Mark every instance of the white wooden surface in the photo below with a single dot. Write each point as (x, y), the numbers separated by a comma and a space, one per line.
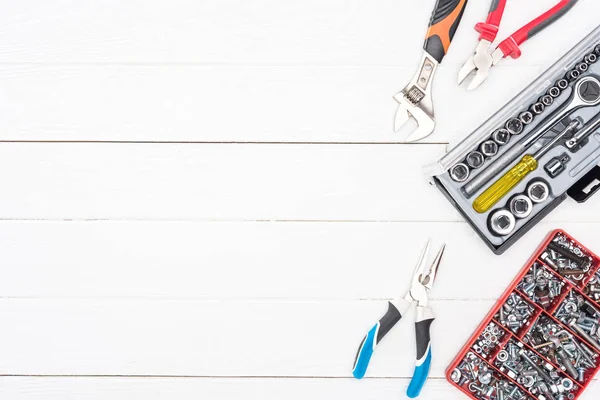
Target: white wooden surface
(206, 200)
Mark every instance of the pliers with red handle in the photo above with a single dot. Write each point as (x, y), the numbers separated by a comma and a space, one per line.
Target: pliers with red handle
(483, 59)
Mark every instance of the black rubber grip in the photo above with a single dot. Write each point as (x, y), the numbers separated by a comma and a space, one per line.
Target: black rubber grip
(423, 334)
(387, 322)
(444, 21)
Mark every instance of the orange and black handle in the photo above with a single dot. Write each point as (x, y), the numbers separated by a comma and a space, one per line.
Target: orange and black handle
(443, 24)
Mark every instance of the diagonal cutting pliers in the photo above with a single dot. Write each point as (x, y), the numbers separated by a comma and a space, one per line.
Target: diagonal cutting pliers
(485, 58)
(422, 282)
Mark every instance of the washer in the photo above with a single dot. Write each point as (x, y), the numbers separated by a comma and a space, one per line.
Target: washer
(538, 191)
(502, 222)
(521, 206)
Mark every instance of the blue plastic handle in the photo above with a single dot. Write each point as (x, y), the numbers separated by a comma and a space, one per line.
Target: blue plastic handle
(365, 351)
(420, 376)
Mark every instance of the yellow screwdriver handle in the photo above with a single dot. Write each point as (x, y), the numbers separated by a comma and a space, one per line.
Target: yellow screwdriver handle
(502, 186)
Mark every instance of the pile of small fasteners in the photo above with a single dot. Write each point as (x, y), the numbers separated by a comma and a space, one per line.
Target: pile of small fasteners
(483, 382)
(541, 286)
(567, 258)
(593, 287)
(515, 313)
(581, 317)
(534, 374)
(488, 340)
(562, 349)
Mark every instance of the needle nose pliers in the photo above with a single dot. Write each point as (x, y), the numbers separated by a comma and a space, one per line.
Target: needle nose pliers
(485, 58)
(422, 282)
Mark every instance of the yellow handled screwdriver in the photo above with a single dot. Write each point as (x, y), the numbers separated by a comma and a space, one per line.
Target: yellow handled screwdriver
(516, 174)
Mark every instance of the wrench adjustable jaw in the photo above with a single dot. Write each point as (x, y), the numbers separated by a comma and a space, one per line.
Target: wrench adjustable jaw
(415, 101)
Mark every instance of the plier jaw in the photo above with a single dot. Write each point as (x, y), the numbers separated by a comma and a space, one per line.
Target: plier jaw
(424, 276)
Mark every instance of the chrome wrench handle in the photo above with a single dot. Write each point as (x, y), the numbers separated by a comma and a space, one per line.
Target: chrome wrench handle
(585, 94)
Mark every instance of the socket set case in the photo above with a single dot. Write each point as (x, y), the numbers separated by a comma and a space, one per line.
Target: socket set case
(527, 158)
(542, 338)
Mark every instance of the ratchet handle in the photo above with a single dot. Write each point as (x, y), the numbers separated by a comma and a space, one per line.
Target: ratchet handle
(375, 335)
(489, 29)
(510, 46)
(502, 186)
(425, 318)
(444, 21)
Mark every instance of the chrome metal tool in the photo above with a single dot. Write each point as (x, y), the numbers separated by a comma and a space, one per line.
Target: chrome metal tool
(416, 99)
(586, 93)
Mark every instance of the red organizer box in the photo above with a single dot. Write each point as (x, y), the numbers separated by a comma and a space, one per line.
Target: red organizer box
(553, 302)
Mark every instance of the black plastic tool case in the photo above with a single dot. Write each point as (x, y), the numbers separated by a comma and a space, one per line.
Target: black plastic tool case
(580, 171)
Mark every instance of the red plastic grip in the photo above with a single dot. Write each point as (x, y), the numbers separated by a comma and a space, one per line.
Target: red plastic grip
(542, 21)
(489, 29)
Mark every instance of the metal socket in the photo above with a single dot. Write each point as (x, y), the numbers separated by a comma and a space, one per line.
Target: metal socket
(475, 159)
(460, 172)
(514, 126)
(554, 91)
(537, 108)
(501, 136)
(489, 148)
(526, 117)
(597, 50)
(538, 191)
(582, 67)
(573, 75)
(502, 222)
(521, 206)
(562, 84)
(590, 58)
(547, 100)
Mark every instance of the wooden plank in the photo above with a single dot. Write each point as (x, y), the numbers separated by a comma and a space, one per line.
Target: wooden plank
(59, 388)
(233, 104)
(252, 260)
(217, 338)
(332, 32)
(262, 182)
